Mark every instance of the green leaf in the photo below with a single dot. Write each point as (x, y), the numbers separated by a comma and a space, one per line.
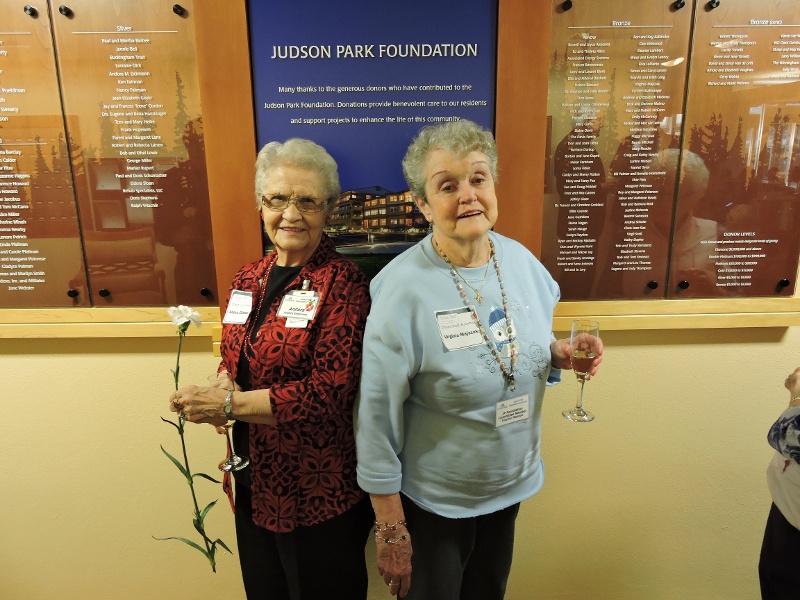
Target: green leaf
(177, 463)
(185, 541)
(221, 543)
(206, 509)
(204, 476)
(198, 525)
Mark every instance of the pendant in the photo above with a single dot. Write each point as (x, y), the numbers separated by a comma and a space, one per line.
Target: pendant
(478, 298)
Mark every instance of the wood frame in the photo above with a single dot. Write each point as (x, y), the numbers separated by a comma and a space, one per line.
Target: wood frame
(520, 126)
(229, 128)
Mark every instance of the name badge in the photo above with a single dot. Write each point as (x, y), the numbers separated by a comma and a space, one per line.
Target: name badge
(458, 329)
(299, 305)
(239, 307)
(512, 410)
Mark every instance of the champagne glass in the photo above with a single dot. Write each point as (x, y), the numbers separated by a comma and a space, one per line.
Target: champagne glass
(583, 351)
(233, 462)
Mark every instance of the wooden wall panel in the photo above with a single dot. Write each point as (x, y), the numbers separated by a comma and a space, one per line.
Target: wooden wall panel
(523, 46)
(223, 58)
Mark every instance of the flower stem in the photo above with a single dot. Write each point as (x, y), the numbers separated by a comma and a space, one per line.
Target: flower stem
(190, 479)
(176, 373)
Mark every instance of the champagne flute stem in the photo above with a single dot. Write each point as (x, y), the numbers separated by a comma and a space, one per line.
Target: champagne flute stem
(228, 439)
(579, 405)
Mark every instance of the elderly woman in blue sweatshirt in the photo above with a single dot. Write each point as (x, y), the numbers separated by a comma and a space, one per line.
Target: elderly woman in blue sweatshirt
(458, 350)
(780, 550)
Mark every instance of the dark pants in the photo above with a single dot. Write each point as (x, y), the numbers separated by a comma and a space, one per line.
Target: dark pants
(459, 559)
(779, 565)
(319, 562)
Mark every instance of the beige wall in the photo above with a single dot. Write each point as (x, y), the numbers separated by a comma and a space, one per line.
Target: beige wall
(662, 497)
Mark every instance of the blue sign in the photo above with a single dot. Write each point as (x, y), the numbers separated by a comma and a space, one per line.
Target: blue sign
(361, 78)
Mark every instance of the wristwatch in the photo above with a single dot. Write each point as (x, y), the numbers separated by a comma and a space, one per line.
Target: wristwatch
(226, 406)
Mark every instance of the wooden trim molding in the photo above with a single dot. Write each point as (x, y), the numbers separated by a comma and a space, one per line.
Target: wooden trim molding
(682, 314)
(98, 322)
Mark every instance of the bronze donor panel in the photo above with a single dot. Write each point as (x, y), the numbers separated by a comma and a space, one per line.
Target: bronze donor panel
(40, 248)
(670, 167)
(130, 84)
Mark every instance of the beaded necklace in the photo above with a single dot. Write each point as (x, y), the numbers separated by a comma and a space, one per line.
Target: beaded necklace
(262, 293)
(507, 372)
(478, 297)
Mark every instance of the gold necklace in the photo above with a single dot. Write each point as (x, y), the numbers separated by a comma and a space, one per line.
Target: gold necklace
(507, 372)
(478, 297)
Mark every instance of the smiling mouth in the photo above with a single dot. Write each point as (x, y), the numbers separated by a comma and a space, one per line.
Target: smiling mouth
(470, 214)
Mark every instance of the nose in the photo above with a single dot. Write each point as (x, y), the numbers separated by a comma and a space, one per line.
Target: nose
(468, 193)
(290, 213)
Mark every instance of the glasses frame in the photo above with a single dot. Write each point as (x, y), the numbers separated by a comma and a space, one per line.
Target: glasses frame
(320, 206)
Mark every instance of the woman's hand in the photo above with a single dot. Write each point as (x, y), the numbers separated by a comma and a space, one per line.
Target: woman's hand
(393, 550)
(200, 404)
(392, 542)
(792, 383)
(560, 351)
(559, 354)
(223, 380)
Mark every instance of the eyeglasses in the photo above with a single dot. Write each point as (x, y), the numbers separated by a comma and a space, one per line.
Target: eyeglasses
(304, 205)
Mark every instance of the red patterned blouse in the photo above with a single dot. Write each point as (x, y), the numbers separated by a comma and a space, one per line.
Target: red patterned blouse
(303, 468)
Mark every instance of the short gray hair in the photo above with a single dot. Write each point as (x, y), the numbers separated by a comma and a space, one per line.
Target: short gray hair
(456, 137)
(305, 154)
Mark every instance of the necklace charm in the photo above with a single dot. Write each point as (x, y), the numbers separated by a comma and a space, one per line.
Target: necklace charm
(454, 272)
(507, 372)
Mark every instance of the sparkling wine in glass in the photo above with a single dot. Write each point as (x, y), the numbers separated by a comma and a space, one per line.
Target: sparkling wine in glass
(233, 462)
(583, 343)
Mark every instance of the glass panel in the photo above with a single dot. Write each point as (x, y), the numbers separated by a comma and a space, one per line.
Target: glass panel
(742, 119)
(621, 159)
(130, 93)
(40, 250)
(616, 90)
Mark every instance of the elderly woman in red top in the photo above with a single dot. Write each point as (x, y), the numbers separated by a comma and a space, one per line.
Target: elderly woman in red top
(291, 356)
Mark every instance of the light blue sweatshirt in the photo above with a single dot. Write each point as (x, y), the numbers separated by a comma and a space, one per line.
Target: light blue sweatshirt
(427, 416)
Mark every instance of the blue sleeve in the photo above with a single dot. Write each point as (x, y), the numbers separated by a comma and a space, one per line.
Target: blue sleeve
(554, 377)
(784, 435)
(388, 365)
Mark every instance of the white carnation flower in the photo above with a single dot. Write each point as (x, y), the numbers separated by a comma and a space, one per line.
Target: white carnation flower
(183, 315)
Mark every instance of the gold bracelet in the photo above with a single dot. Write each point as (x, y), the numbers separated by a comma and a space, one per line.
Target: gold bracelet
(396, 540)
(381, 527)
